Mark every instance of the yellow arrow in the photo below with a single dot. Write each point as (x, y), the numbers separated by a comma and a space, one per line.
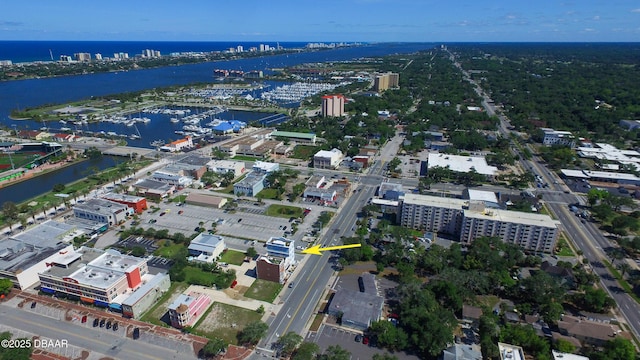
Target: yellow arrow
(315, 250)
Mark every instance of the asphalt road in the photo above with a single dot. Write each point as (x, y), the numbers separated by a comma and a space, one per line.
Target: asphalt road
(97, 340)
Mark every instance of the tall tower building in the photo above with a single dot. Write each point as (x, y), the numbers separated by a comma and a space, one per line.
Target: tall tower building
(333, 105)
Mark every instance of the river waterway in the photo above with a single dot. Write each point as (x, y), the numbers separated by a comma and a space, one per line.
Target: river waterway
(42, 184)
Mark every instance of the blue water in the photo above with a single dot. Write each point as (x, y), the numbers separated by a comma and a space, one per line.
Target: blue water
(26, 51)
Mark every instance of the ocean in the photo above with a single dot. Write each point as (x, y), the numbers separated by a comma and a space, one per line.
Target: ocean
(27, 51)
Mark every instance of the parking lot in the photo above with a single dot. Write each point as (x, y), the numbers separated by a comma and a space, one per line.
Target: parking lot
(346, 338)
(149, 245)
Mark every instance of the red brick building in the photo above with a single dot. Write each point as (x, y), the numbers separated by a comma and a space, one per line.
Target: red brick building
(137, 203)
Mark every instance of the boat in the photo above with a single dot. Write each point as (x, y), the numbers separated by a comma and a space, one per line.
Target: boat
(65, 129)
(62, 122)
(157, 143)
(134, 137)
(175, 120)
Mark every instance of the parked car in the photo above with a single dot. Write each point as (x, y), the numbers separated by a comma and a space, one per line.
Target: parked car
(115, 327)
(33, 305)
(84, 319)
(358, 338)
(102, 322)
(291, 285)
(96, 322)
(108, 324)
(136, 333)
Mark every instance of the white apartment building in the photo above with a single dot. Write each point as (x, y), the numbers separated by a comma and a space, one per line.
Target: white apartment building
(532, 232)
(554, 137)
(432, 213)
(224, 166)
(470, 220)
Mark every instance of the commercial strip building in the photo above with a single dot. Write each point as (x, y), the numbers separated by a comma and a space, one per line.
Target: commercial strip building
(324, 159)
(172, 177)
(610, 154)
(459, 163)
(216, 202)
(188, 308)
(206, 248)
(470, 220)
(554, 137)
(153, 189)
(101, 210)
(333, 105)
(602, 176)
(24, 255)
(297, 137)
(101, 277)
(251, 185)
(137, 203)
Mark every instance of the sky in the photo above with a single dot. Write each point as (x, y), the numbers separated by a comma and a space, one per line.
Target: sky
(326, 20)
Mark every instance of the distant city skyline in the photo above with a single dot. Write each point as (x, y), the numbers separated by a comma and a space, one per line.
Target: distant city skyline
(329, 20)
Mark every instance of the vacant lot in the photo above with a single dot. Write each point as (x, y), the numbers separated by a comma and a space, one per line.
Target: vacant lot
(158, 312)
(284, 211)
(226, 321)
(263, 290)
(168, 249)
(232, 257)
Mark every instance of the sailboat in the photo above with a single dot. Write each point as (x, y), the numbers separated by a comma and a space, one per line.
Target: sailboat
(135, 136)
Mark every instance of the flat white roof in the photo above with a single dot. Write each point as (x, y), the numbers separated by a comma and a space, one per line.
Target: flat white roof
(328, 153)
(385, 202)
(510, 352)
(459, 163)
(515, 217)
(481, 195)
(435, 201)
(587, 174)
(566, 356)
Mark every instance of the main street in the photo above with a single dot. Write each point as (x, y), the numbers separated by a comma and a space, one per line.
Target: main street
(312, 278)
(586, 236)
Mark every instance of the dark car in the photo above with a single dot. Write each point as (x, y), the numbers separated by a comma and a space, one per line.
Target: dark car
(162, 213)
(33, 304)
(239, 220)
(291, 285)
(136, 333)
(358, 338)
(108, 324)
(96, 322)
(115, 326)
(102, 322)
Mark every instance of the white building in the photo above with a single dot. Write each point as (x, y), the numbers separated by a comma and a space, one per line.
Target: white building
(459, 163)
(224, 166)
(178, 145)
(263, 167)
(554, 137)
(324, 159)
(172, 178)
(510, 352)
(101, 210)
(281, 247)
(206, 247)
(566, 356)
(470, 220)
(532, 232)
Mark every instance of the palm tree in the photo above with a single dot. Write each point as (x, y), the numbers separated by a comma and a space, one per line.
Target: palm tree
(624, 268)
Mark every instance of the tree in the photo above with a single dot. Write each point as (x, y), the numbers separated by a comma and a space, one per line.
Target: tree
(5, 286)
(253, 332)
(335, 352)
(214, 347)
(594, 300)
(389, 335)
(289, 342)
(616, 349)
(385, 356)
(564, 346)
(138, 251)
(306, 351)
(251, 252)
(57, 188)
(10, 212)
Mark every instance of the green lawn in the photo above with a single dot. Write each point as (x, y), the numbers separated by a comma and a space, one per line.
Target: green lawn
(304, 152)
(168, 251)
(264, 290)
(284, 211)
(244, 158)
(232, 257)
(229, 321)
(563, 247)
(269, 194)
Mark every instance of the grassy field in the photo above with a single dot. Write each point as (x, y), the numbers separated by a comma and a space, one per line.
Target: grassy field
(232, 257)
(168, 251)
(225, 322)
(194, 275)
(19, 159)
(284, 211)
(304, 152)
(244, 158)
(563, 247)
(269, 194)
(264, 290)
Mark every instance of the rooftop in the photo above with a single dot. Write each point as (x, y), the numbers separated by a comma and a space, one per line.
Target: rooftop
(308, 136)
(486, 196)
(47, 234)
(328, 153)
(184, 299)
(358, 308)
(566, 356)
(100, 206)
(152, 184)
(435, 201)
(459, 163)
(281, 241)
(144, 289)
(123, 197)
(510, 352)
(206, 240)
(516, 217)
(194, 160)
(251, 179)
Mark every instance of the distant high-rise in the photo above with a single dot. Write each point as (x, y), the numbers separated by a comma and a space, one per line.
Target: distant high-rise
(82, 56)
(386, 81)
(333, 105)
(66, 58)
(239, 48)
(98, 56)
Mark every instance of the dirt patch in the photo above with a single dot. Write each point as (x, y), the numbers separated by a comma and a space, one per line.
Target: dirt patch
(213, 320)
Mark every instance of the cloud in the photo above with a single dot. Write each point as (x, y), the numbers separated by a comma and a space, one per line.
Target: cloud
(597, 17)
(636, 10)
(11, 23)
